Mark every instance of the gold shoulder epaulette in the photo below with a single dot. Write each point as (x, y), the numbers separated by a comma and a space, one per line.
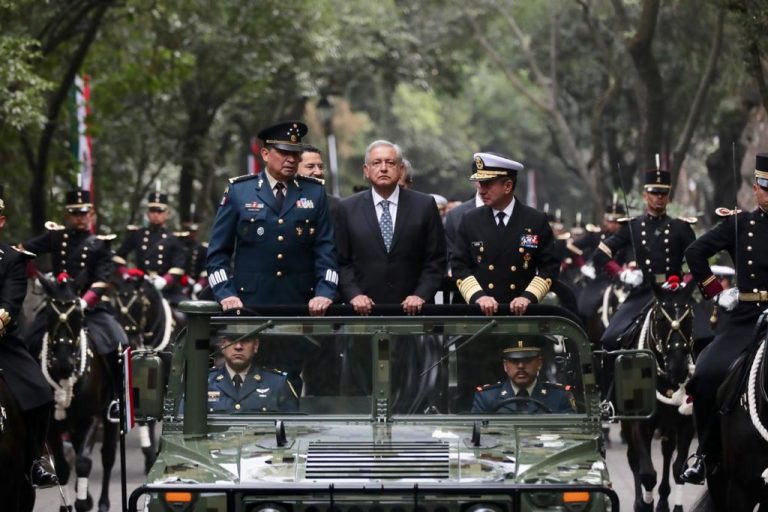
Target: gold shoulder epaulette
(244, 177)
(205, 244)
(52, 226)
(564, 236)
(689, 220)
(725, 212)
(591, 228)
(106, 238)
(624, 220)
(488, 386)
(181, 234)
(132, 227)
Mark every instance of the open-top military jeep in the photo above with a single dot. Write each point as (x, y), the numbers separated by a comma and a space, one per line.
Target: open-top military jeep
(385, 417)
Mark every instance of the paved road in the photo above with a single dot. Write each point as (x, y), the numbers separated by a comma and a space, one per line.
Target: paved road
(49, 499)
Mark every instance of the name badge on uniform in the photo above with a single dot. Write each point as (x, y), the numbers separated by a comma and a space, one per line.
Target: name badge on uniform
(305, 203)
(479, 247)
(254, 206)
(529, 241)
(213, 396)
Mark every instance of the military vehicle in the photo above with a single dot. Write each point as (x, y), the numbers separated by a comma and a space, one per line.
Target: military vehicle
(384, 418)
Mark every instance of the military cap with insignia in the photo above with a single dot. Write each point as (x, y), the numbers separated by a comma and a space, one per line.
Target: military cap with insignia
(657, 180)
(614, 211)
(78, 201)
(157, 201)
(761, 170)
(489, 166)
(522, 349)
(286, 136)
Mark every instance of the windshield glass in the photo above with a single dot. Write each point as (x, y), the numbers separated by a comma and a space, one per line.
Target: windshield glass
(395, 366)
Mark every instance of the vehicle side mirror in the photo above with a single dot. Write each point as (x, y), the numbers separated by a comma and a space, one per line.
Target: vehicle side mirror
(634, 384)
(148, 376)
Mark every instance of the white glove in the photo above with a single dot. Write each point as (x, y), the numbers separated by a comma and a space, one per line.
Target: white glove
(632, 278)
(83, 304)
(197, 288)
(588, 270)
(159, 282)
(728, 299)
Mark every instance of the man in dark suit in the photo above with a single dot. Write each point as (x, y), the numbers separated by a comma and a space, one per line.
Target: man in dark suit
(504, 251)
(390, 240)
(522, 364)
(272, 239)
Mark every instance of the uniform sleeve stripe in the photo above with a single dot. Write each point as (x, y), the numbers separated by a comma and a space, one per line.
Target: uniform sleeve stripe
(604, 248)
(218, 277)
(468, 287)
(539, 287)
(331, 276)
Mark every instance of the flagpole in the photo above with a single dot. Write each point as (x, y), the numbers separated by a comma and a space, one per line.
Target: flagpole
(123, 423)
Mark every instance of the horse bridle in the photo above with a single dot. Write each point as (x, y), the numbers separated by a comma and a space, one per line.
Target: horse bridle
(125, 310)
(63, 318)
(662, 347)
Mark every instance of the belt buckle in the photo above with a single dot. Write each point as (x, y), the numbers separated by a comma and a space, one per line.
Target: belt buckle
(762, 295)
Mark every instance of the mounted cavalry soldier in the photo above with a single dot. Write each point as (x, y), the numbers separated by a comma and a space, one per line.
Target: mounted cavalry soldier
(658, 242)
(87, 259)
(157, 252)
(504, 250)
(744, 235)
(19, 369)
(272, 240)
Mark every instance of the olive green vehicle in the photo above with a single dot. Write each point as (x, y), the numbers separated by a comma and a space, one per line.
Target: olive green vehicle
(385, 417)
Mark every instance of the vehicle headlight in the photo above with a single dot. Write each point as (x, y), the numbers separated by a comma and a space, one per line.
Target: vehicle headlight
(483, 507)
(179, 501)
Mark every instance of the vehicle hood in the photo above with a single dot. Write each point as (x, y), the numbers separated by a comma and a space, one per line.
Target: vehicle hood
(368, 452)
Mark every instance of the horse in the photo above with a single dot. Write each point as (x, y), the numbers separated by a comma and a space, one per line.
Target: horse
(82, 391)
(742, 481)
(16, 491)
(667, 330)
(148, 321)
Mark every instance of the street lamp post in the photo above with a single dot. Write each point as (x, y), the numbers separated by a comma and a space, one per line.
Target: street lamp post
(325, 113)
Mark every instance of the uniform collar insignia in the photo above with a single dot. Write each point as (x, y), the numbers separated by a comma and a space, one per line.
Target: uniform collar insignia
(262, 390)
(503, 392)
(257, 377)
(220, 377)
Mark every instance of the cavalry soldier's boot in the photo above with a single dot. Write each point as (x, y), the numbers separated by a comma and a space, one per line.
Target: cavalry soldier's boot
(40, 476)
(696, 472)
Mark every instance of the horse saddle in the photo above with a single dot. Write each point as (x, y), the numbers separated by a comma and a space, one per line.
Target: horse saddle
(734, 384)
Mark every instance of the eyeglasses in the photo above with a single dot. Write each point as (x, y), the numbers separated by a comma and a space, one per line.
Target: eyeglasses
(390, 164)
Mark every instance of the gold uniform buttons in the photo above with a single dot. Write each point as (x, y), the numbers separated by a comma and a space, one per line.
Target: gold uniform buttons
(512, 286)
(237, 406)
(521, 250)
(279, 274)
(749, 247)
(491, 267)
(750, 234)
(280, 238)
(647, 262)
(749, 262)
(513, 268)
(490, 286)
(279, 256)
(279, 221)
(143, 247)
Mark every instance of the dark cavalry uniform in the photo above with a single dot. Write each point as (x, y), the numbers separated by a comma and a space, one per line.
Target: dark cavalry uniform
(197, 253)
(554, 396)
(660, 243)
(87, 258)
(268, 256)
(504, 263)
(19, 368)
(734, 330)
(262, 390)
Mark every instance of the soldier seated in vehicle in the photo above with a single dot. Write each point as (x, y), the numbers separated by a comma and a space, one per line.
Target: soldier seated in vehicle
(240, 386)
(523, 392)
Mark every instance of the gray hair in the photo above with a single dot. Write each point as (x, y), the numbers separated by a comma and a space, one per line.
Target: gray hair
(384, 143)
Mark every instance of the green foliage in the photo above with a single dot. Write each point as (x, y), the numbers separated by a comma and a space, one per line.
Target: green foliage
(21, 101)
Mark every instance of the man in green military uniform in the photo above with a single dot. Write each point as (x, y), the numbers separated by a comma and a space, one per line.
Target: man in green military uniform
(522, 391)
(240, 386)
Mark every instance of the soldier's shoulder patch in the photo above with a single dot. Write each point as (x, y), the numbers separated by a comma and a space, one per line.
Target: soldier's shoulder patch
(486, 387)
(52, 226)
(24, 252)
(624, 220)
(132, 227)
(244, 177)
(275, 371)
(726, 212)
(310, 179)
(106, 238)
(591, 228)
(204, 244)
(689, 220)
(181, 234)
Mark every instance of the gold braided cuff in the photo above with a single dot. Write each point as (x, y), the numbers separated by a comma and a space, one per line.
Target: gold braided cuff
(539, 287)
(604, 248)
(468, 287)
(100, 284)
(119, 260)
(176, 271)
(708, 280)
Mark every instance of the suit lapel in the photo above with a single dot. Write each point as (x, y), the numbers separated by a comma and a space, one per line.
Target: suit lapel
(293, 190)
(264, 192)
(226, 386)
(369, 212)
(403, 212)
